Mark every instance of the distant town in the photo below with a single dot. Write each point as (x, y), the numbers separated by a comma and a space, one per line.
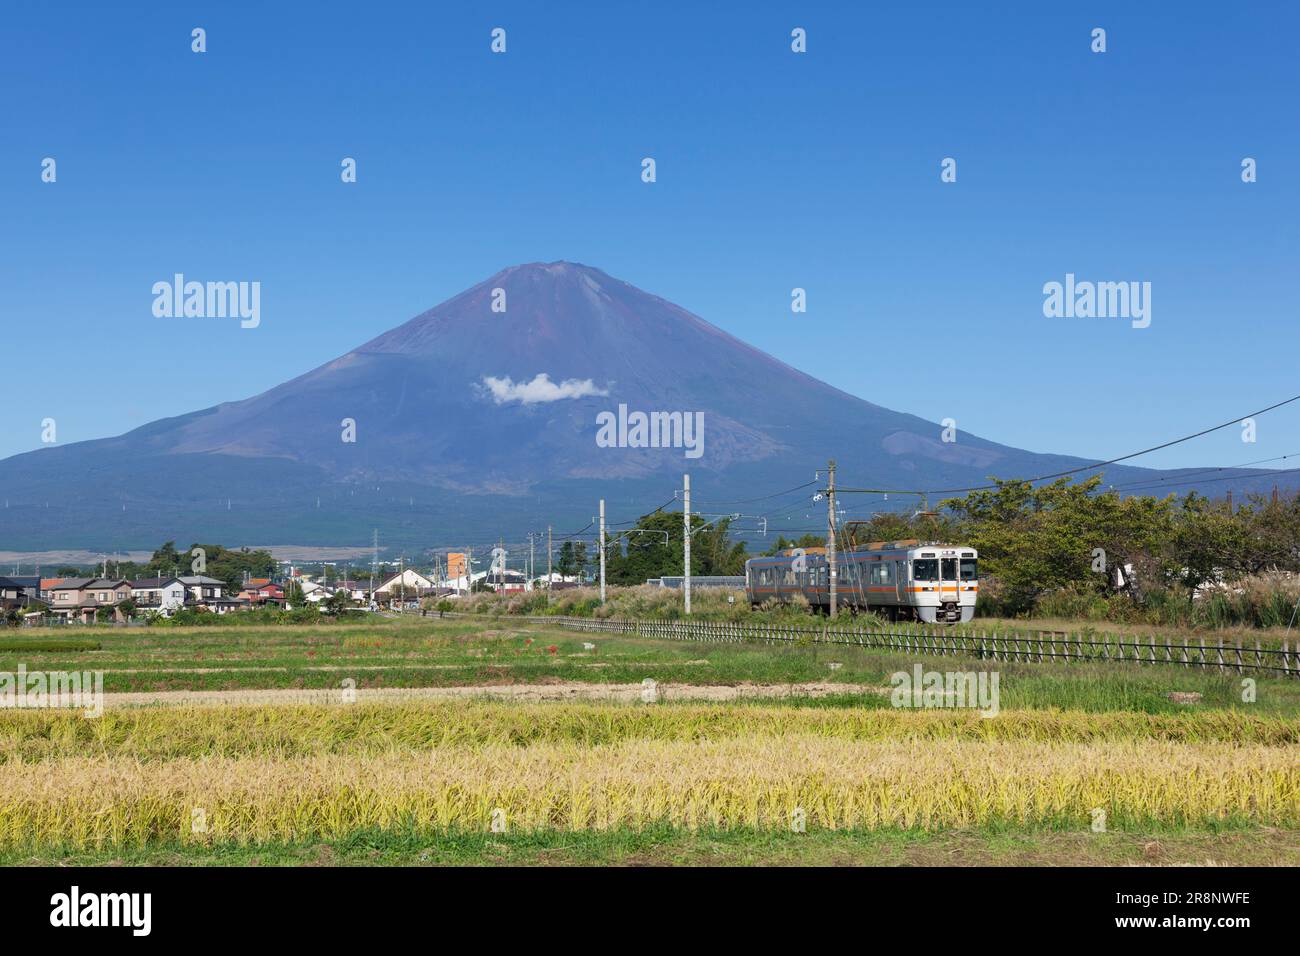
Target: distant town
(223, 581)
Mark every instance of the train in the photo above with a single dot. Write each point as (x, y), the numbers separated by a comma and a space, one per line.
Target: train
(901, 580)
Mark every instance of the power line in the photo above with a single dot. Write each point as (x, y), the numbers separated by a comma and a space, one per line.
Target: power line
(1278, 471)
(1144, 482)
(1073, 471)
(747, 501)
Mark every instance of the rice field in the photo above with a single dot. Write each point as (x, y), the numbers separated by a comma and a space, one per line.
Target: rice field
(1071, 746)
(736, 782)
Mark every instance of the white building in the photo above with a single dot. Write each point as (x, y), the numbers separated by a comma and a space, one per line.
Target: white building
(158, 594)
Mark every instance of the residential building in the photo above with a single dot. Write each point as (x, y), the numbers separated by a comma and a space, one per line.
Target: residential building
(77, 600)
(18, 592)
(166, 595)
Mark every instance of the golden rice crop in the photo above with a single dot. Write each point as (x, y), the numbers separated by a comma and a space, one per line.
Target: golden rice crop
(288, 731)
(736, 782)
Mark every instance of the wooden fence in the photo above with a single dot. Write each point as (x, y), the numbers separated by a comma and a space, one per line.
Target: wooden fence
(1283, 661)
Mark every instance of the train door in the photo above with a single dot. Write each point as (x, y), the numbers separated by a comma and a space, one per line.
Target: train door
(949, 582)
(900, 576)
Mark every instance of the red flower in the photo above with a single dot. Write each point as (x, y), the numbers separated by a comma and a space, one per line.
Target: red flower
(552, 648)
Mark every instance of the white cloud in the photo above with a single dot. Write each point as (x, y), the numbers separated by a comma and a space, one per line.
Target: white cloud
(540, 389)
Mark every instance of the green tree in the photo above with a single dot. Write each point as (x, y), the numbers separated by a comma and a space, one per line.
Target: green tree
(293, 595)
(654, 548)
(338, 602)
(1207, 545)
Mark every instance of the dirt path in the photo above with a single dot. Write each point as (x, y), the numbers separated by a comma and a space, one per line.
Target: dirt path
(400, 665)
(513, 692)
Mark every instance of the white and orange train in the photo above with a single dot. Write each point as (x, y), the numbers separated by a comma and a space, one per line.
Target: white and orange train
(902, 580)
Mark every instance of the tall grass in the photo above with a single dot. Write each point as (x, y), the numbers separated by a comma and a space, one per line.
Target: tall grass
(735, 782)
(159, 734)
(636, 603)
(1259, 601)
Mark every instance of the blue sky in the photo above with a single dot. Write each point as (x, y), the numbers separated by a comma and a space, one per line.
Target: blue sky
(775, 170)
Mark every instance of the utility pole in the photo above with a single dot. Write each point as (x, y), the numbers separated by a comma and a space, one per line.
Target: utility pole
(602, 550)
(374, 560)
(469, 569)
(530, 559)
(830, 531)
(549, 579)
(686, 541)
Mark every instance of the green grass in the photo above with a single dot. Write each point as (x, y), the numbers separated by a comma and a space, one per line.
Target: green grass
(19, 645)
(429, 652)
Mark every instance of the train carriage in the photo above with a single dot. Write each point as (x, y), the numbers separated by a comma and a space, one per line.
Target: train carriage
(902, 580)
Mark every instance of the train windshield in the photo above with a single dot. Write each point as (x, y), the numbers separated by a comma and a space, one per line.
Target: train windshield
(968, 571)
(950, 569)
(925, 569)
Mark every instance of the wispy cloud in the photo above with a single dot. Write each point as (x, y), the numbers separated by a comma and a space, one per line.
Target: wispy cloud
(540, 389)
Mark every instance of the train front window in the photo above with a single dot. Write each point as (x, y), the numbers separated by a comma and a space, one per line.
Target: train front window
(950, 569)
(968, 571)
(925, 569)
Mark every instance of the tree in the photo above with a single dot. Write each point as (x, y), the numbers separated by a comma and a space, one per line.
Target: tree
(572, 559)
(1207, 544)
(1272, 534)
(1060, 535)
(654, 548)
(337, 603)
(293, 594)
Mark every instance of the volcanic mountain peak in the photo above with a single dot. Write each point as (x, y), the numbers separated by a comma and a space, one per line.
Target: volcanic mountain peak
(492, 401)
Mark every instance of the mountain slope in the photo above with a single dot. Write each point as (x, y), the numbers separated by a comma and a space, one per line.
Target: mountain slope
(470, 421)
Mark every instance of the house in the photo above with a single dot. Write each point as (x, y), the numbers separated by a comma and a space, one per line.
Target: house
(263, 593)
(78, 599)
(409, 580)
(357, 590)
(46, 584)
(18, 592)
(502, 582)
(557, 581)
(206, 592)
(166, 595)
(202, 588)
(408, 585)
